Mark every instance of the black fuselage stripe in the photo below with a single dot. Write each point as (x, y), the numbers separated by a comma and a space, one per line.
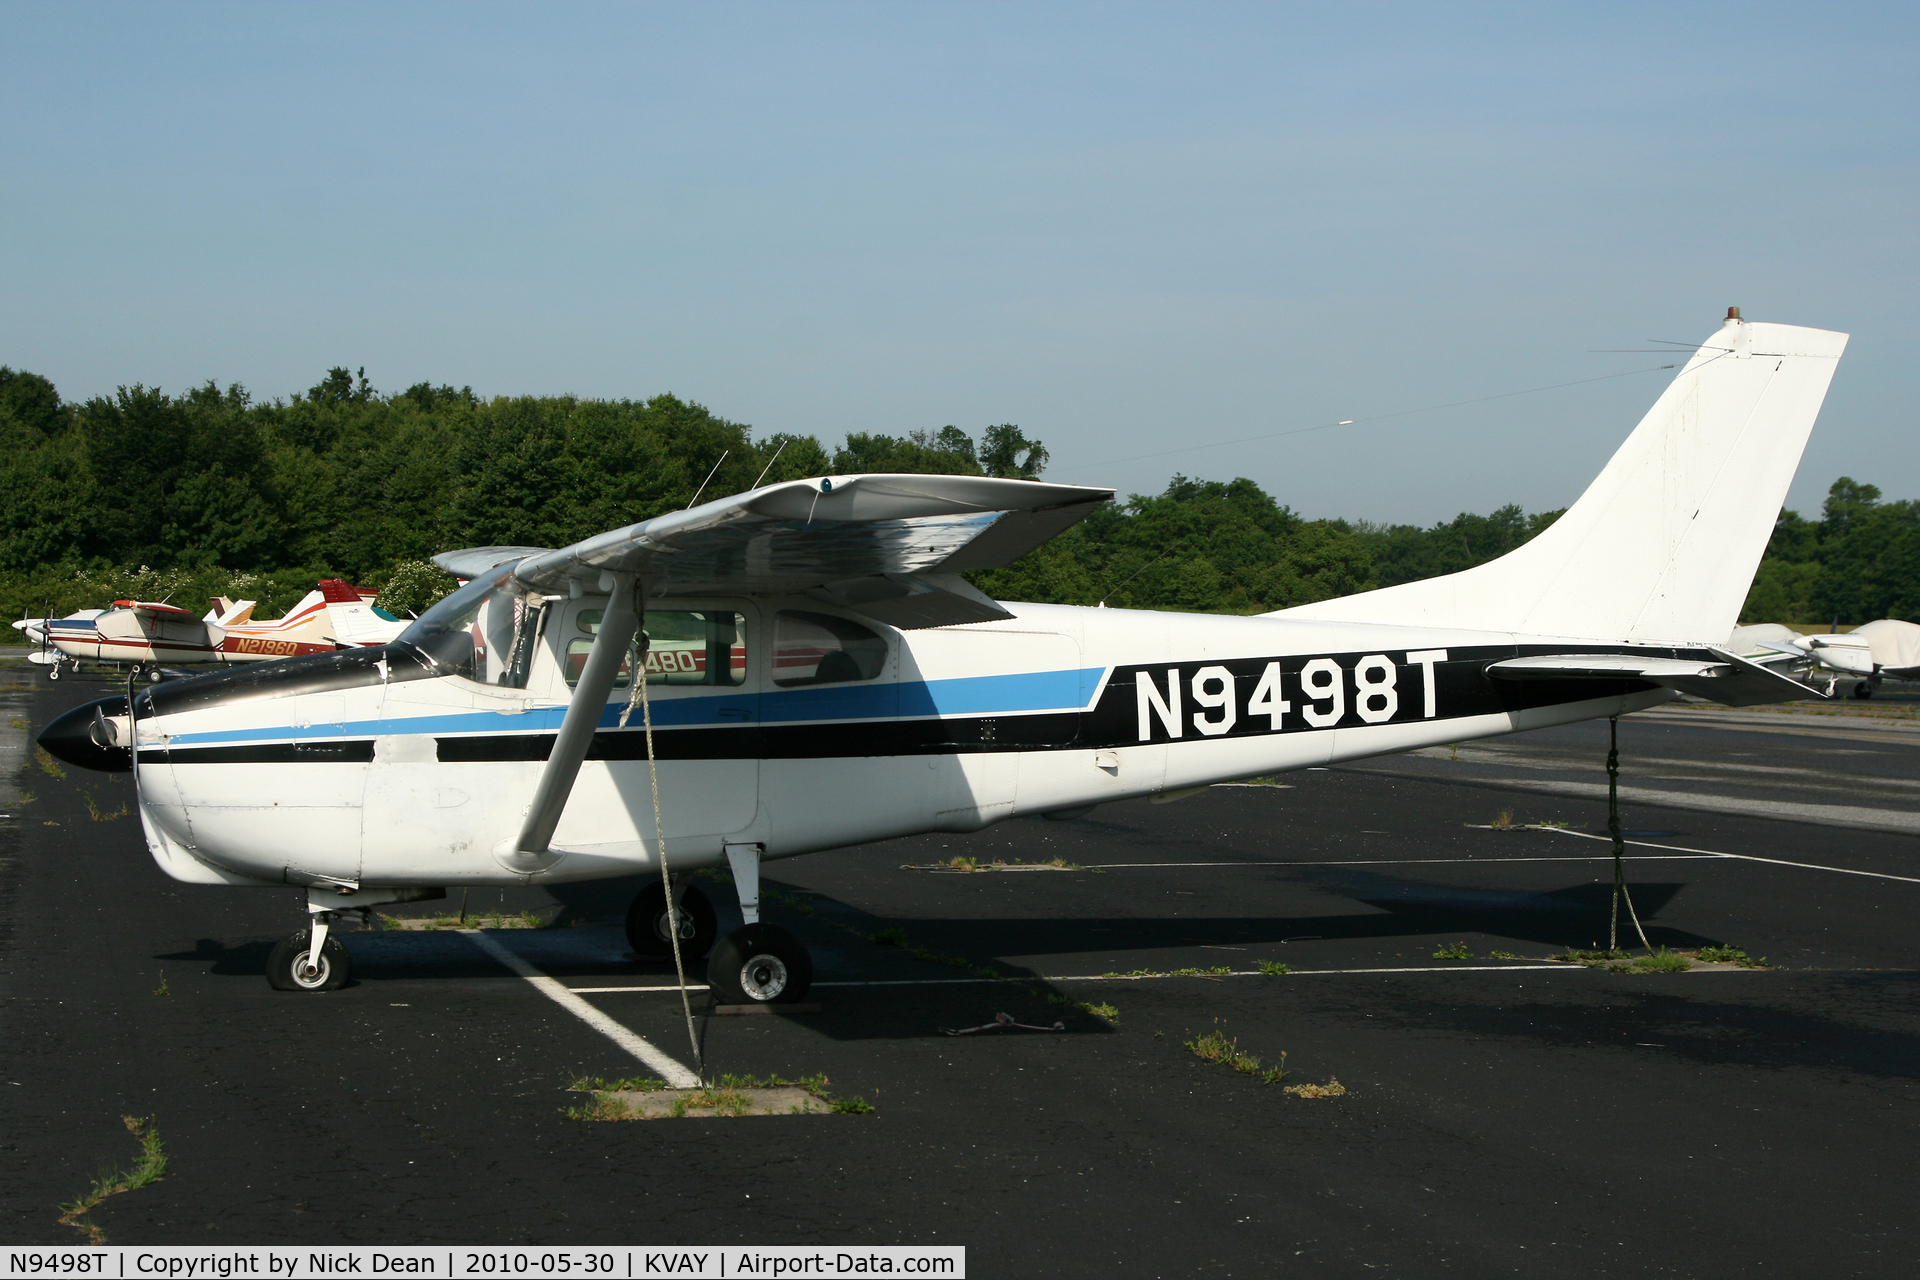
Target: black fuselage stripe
(1462, 689)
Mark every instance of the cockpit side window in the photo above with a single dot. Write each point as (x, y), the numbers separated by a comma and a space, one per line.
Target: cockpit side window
(485, 631)
(818, 648)
(685, 647)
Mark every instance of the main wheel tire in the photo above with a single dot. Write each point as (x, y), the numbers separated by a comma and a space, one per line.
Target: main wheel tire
(1863, 690)
(760, 964)
(287, 967)
(647, 924)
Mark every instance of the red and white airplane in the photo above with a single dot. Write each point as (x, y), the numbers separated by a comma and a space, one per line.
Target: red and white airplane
(335, 615)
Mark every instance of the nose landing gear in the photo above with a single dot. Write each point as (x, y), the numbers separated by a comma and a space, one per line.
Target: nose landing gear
(309, 961)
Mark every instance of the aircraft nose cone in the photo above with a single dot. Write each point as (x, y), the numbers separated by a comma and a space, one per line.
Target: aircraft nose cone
(71, 738)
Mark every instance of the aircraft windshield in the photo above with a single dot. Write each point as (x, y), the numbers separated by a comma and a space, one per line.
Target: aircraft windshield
(484, 631)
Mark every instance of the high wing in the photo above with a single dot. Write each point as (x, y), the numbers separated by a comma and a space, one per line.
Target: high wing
(148, 609)
(1728, 680)
(889, 546)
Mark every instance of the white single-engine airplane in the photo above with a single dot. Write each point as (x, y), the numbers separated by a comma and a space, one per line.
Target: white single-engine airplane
(818, 674)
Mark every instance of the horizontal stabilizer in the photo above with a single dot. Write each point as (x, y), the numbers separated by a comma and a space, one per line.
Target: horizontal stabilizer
(1725, 679)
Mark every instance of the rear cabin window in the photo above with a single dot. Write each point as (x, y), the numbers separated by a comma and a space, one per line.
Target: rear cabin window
(818, 648)
(699, 647)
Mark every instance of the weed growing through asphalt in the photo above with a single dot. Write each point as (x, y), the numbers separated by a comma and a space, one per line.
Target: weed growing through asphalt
(148, 1170)
(48, 765)
(1501, 955)
(162, 990)
(1502, 821)
(1729, 955)
(99, 815)
(24, 798)
(890, 938)
(1274, 968)
(1215, 1047)
(1591, 959)
(1453, 951)
(621, 1084)
(19, 723)
(1663, 961)
(850, 1107)
(1331, 1089)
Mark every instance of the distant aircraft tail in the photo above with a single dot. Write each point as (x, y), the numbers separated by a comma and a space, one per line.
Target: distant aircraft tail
(1663, 544)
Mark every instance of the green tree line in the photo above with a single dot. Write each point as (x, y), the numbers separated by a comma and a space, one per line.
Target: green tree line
(151, 495)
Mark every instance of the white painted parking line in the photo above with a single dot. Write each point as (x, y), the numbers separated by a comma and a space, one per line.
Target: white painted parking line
(1144, 977)
(1743, 857)
(669, 1070)
(1410, 862)
(595, 991)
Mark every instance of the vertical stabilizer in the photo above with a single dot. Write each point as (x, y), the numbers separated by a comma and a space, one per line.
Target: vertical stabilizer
(1664, 543)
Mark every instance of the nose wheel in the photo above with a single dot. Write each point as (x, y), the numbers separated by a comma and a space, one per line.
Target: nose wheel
(760, 964)
(296, 965)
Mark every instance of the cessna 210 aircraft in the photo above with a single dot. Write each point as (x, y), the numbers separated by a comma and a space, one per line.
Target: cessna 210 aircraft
(817, 673)
(332, 616)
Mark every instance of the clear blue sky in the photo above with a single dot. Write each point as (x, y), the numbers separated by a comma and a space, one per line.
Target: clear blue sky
(1128, 228)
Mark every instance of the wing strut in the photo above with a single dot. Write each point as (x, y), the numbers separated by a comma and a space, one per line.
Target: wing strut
(531, 851)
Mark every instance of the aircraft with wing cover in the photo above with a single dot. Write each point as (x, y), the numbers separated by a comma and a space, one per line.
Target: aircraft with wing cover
(808, 669)
(332, 616)
(1884, 649)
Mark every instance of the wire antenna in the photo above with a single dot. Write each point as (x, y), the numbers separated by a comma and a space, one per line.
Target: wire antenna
(770, 461)
(704, 483)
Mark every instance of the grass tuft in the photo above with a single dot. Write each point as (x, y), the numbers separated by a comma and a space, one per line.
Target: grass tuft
(1591, 959)
(48, 765)
(1730, 955)
(1215, 1047)
(620, 1084)
(890, 938)
(1453, 951)
(1331, 1089)
(1274, 968)
(148, 1170)
(850, 1107)
(100, 815)
(1663, 961)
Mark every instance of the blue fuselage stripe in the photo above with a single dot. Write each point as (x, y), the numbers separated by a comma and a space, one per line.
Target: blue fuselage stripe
(1027, 691)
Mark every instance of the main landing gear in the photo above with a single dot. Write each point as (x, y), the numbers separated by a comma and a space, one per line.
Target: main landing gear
(649, 932)
(757, 963)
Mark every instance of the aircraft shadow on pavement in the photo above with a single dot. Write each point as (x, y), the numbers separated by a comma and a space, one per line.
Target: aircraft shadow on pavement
(1709, 1024)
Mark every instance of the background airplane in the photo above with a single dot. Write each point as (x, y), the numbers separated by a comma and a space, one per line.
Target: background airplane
(335, 615)
(1884, 649)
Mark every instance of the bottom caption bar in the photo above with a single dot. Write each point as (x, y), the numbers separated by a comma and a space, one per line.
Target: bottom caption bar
(719, 1262)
